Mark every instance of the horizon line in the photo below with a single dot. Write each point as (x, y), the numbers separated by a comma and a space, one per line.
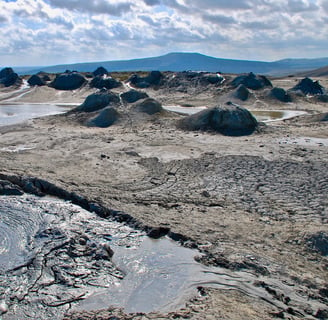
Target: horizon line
(151, 57)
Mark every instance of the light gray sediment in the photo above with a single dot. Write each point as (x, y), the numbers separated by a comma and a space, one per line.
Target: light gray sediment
(252, 205)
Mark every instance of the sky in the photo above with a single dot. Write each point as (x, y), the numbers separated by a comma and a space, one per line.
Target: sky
(49, 32)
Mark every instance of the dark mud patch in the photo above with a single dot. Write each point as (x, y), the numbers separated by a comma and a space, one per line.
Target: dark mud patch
(318, 242)
(69, 259)
(66, 259)
(40, 187)
(54, 254)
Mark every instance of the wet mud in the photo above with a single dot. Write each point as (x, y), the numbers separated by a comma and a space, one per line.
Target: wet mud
(53, 254)
(57, 258)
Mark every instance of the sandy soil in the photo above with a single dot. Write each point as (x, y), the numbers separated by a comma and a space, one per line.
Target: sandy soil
(249, 203)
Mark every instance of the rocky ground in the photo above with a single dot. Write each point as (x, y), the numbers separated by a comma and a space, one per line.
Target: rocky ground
(256, 203)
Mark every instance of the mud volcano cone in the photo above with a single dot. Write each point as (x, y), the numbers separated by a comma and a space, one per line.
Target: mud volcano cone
(9, 78)
(36, 80)
(308, 86)
(97, 101)
(230, 120)
(68, 81)
(149, 106)
(105, 118)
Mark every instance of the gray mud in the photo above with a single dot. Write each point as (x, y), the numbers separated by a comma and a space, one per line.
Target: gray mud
(254, 206)
(53, 254)
(58, 258)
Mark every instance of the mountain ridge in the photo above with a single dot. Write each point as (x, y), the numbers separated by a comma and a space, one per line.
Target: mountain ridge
(182, 61)
(320, 72)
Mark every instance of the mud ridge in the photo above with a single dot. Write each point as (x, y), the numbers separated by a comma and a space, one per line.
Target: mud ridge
(41, 187)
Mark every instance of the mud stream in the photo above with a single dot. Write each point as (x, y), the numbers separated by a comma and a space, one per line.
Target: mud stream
(56, 257)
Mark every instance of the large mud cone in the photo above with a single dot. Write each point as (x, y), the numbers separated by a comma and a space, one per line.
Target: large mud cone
(251, 81)
(280, 94)
(154, 78)
(149, 106)
(100, 82)
(308, 86)
(97, 101)
(132, 96)
(189, 80)
(35, 80)
(105, 118)
(68, 81)
(5, 72)
(242, 93)
(100, 71)
(230, 120)
(9, 78)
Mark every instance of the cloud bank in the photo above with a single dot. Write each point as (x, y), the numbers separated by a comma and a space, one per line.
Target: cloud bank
(44, 32)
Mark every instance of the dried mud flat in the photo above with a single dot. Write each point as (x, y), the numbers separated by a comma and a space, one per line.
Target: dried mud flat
(248, 203)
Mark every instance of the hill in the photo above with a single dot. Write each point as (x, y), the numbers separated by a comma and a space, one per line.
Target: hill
(189, 61)
(321, 72)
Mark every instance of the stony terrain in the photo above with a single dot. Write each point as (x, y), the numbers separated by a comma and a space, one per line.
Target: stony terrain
(256, 203)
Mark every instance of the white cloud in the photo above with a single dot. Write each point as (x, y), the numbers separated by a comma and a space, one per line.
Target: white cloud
(115, 8)
(302, 5)
(61, 31)
(224, 4)
(218, 19)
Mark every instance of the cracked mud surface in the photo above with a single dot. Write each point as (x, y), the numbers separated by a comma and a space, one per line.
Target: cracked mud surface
(66, 255)
(250, 204)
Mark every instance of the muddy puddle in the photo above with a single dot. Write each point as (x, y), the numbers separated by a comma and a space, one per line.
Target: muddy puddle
(260, 115)
(184, 110)
(275, 115)
(56, 257)
(13, 114)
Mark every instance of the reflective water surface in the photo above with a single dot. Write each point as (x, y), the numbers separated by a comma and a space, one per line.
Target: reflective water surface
(13, 114)
(260, 115)
(275, 115)
(56, 257)
(184, 110)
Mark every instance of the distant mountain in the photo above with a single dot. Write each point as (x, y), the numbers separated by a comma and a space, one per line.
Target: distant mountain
(321, 72)
(189, 61)
(302, 63)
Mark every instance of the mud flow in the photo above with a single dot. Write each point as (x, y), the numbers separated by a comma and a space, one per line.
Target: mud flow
(56, 257)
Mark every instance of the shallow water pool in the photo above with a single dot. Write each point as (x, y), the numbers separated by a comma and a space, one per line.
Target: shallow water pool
(184, 110)
(260, 115)
(13, 114)
(275, 115)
